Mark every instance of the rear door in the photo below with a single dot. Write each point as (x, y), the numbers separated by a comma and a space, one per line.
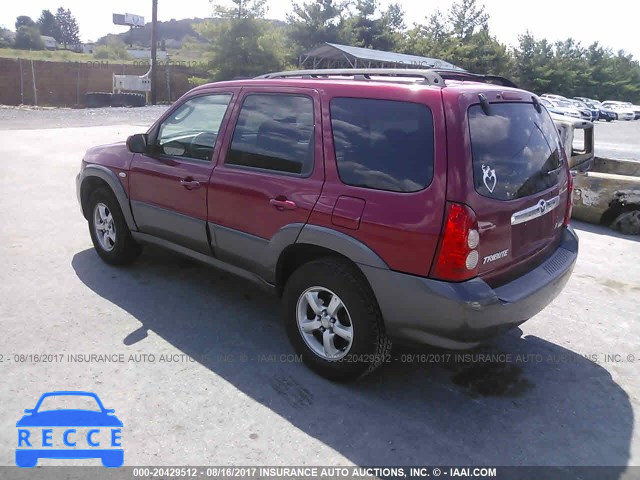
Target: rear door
(269, 176)
(514, 177)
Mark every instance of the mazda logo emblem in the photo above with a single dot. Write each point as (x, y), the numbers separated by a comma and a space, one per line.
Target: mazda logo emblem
(542, 206)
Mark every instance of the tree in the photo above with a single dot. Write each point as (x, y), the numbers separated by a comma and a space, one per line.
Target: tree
(70, 33)
(370, 32)
(49, 25)
(432, 39)
(242, 43)
(5, 41)
(28, 38)
(24, 21)
(315, 22)
(466, 18)
(241, 9)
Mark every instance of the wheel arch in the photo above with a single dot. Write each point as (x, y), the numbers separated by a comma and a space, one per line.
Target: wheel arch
(316, 242)
(96, 176)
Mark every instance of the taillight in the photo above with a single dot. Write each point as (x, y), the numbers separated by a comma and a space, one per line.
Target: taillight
(569, 210)
(457, 257)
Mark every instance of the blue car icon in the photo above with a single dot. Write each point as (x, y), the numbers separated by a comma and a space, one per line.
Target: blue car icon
(37, 438)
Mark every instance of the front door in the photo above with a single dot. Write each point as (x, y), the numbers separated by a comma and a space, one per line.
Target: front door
(168, 185)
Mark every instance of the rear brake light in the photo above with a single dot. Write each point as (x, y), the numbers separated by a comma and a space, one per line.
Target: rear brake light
(457, 258)
(569, 210)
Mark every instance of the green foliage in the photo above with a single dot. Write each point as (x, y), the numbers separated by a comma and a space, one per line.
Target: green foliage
(243, 47)
(240, 9)
(567, 68)
(28, 38)
(366, 29)
(49, 25)
(461, 37)
(466, 19)
(115, 49)
(69, 30)
(24, 21)
(5, 40)
(197, 81)
(316, 22)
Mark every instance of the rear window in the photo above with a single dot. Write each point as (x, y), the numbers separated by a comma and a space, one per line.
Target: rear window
(516, 150)
(382, 144)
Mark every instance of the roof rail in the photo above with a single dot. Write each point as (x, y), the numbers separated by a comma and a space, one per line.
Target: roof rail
(432, 76)
(474, 77)
(429, 77)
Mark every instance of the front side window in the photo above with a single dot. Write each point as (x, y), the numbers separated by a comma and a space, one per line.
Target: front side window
(516, 150)
(274, 132)
(382, 144)
(191, 131)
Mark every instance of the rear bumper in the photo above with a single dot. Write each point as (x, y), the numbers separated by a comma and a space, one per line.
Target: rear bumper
(463, 315)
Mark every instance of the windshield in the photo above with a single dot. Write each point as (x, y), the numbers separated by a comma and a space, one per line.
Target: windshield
(69, 402)
(516, 150)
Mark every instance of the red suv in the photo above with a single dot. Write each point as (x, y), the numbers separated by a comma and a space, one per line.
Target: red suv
(426, 206)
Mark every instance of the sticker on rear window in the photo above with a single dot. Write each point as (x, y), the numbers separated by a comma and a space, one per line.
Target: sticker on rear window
(489, 177)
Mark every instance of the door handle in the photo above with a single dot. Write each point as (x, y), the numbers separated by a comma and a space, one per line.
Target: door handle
(283, 204)
(190, 184)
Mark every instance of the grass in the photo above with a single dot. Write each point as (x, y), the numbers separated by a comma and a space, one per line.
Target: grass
(69, 56)
(46, 55)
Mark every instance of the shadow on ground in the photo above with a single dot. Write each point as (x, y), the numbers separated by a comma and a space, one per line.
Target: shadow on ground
(549, 406)
(601, 230)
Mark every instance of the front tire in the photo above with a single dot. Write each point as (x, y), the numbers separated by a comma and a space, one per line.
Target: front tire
(110, 234)
(333, 320)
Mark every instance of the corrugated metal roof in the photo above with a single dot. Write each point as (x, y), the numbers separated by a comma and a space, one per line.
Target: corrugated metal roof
(334, 51)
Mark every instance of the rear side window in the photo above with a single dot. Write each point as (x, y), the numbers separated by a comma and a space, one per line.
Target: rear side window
(516, 150)
(274, 132)
(382, 144)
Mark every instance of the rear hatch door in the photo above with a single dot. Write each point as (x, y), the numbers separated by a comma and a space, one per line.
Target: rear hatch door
(514, 177)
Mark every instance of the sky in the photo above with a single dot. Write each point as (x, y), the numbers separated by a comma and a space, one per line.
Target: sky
(613, 23)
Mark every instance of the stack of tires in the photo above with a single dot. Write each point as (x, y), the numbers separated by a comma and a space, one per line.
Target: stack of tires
(102, 99)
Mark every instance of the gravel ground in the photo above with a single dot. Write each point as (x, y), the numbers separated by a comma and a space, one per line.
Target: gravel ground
(566, 395)
(30, 118)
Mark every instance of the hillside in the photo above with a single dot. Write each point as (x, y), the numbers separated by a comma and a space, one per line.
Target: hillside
(172, 33)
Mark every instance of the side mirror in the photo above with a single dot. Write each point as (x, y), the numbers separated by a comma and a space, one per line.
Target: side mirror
(137, 143)
(109, 410)
(28, 410)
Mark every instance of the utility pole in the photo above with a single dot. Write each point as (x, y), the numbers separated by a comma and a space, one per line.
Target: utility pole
(154, 41)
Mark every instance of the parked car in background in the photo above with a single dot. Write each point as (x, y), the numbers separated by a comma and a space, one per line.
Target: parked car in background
(635, 108)
(560, 107)
(421, 206)
(553, 96)
(622, 109)
(585, 112)
(594, 113)
(606, 113)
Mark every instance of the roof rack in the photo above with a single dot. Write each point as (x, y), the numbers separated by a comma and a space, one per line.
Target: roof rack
(432, 76)
(429, 77)
(474, 77)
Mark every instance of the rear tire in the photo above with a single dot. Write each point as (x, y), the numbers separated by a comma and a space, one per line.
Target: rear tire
(110, 234)
(326, 296)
